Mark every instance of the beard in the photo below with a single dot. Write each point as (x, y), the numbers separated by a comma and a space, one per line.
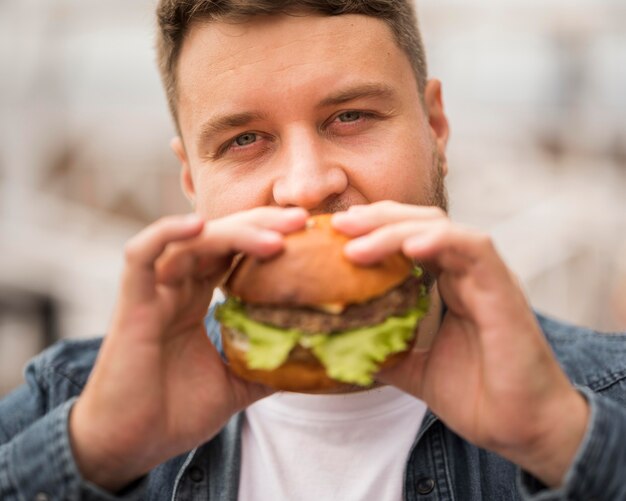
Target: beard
(438, 193)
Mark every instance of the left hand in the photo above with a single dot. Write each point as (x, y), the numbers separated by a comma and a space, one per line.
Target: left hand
(489, 374)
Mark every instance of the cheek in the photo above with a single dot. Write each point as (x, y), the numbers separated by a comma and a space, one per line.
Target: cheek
(218, 196)
(402, 174)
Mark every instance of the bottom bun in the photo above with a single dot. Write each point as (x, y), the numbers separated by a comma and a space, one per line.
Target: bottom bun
(301, 373)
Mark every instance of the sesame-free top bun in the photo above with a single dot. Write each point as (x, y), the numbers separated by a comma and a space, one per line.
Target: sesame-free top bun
(312, 270)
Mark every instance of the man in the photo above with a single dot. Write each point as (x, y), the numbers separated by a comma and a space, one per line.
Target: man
(285, 109)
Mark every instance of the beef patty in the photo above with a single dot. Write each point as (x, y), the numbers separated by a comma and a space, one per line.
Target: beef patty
(396, 302)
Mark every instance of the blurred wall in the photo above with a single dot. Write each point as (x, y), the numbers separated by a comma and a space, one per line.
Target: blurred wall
(535, 97)
(534, 92)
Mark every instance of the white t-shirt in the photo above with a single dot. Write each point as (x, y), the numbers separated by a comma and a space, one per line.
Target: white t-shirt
(328, 447)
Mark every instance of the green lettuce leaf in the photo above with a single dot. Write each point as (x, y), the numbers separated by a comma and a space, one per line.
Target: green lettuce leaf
(355, 355)
(352, 356)
(269, 346)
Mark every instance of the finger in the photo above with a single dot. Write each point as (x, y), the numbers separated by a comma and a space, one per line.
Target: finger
(212, 257)
(362, 219)
(258, 232)
(274, 218)
(472, 276)
(141, 252)
(438, 243)
(451, 247)
(389, 239)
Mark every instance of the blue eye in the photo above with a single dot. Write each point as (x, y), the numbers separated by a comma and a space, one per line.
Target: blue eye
(246, 139)
(350, 116)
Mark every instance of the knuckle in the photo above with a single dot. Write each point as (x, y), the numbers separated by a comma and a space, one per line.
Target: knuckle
(444, 226)
(132, 250)
(485, 242)
(387, 204)
(437, 212)
(168, 221)
(158, 227)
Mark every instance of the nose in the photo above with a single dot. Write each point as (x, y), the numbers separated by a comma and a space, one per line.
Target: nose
(308, 175)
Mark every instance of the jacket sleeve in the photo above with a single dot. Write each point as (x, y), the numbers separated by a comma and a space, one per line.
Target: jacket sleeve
(598, 468)
(36, 461)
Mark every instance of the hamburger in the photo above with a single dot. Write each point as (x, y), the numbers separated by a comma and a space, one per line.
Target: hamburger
(310, 320)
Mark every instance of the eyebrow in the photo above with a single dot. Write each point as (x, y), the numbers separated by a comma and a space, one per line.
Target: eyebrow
(362, 91)
(222, 123)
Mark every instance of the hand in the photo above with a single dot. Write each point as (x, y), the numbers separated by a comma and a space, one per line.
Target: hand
(489, 374)
(159, 387)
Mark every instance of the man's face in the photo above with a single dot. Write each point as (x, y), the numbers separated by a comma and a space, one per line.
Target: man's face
(309, 111)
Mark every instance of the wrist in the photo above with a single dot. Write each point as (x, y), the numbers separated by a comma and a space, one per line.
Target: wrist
(95, 460)
(550, 456)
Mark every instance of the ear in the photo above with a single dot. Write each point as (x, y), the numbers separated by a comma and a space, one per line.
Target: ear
(186, 178)
(437, 119)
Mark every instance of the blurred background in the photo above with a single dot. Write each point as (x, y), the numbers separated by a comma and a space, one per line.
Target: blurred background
(534, 92)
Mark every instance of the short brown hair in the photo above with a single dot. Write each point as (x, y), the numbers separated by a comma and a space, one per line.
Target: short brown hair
(175, 17)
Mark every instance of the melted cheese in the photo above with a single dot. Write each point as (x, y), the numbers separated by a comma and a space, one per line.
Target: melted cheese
(331, 308)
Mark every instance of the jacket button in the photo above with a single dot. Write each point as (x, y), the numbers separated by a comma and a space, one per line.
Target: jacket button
(425, 486)
(196, 474)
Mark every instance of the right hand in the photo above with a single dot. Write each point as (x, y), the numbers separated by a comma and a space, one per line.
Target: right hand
(159, 387)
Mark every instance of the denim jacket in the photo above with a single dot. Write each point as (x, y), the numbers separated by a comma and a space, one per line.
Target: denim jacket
(36, 461)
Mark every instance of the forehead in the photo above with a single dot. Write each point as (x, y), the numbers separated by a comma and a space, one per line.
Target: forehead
(280, 32)
(235, 62)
